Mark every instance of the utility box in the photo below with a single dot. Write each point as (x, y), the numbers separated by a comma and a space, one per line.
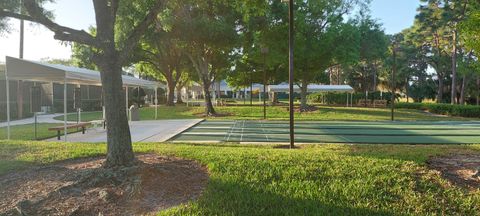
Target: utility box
(134, 113)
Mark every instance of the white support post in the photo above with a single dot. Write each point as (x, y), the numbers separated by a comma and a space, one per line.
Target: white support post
(7, 85)
(156, 103)
(65, 108)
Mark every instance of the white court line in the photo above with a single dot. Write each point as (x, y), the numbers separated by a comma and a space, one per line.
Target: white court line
(231, 129)
(263, 129)
(243, 128)
(208, 127)
(340, 136)
(206, 133)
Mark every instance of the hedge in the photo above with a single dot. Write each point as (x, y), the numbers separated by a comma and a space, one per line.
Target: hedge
(335, 98)
(444, 109)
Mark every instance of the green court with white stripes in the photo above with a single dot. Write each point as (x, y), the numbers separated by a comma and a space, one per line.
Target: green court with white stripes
(421, 132)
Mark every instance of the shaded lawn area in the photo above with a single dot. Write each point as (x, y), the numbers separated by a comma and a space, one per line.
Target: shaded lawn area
(27, 132)
(148, 113)
(314, 180)
(280, 113)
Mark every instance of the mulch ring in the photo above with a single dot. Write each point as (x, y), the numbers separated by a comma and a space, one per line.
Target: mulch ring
(460, 169)
(84, 187)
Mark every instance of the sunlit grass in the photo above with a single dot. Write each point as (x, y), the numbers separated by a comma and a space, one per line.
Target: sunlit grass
(279, 113)
(314, 180)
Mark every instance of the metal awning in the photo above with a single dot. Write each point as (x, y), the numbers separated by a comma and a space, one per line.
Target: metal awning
(20, 69)
(311, 88)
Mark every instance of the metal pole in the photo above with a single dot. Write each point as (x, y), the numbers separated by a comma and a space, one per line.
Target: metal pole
(22, 30)
(65, 108)
(35, 115)
(251, 89)
(156, 103)
(7, 86)
(290, 77)
(264, 50)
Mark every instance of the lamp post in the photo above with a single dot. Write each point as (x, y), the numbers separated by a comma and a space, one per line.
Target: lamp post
(264, 51)
(251, 88)
(290, 70)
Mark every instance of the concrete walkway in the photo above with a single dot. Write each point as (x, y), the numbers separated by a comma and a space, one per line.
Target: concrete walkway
(48, 118)
(141, 131)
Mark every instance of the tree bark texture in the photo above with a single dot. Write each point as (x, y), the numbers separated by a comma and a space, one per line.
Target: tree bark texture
(454, 68)
(440, 89)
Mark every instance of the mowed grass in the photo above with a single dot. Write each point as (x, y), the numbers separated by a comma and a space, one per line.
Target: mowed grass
(148, 113)
(27, 132)
(280, 113)
(314, 180)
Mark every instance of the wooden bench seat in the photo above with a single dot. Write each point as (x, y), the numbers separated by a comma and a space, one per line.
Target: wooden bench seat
(82, 125)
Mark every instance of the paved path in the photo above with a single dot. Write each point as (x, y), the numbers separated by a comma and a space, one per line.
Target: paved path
(48, 118)
(141, 131)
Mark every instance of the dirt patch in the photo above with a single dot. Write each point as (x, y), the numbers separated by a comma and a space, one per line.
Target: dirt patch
(84, 187)
(460, 169)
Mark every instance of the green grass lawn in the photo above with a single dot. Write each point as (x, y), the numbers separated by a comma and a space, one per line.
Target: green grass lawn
(27, 132)
(314, 180)
(279, 113)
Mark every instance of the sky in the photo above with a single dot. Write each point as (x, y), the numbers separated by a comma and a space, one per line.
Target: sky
(395, 15)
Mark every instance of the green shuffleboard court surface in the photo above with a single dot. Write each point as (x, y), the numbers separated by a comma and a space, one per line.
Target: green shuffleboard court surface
(244, 131)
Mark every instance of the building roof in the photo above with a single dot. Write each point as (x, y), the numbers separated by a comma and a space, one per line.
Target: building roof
(311, 88)
(20, 69)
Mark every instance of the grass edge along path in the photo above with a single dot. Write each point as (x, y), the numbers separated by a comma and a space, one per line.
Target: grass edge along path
(314, 180)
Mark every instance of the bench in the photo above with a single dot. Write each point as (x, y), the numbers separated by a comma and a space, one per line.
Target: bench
(82, 125)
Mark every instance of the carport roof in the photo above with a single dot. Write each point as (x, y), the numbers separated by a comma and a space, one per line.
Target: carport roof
(311, 88)
(20, 69)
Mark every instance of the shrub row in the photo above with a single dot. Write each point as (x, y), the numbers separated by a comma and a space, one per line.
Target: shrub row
(341, 98)
(444, 109)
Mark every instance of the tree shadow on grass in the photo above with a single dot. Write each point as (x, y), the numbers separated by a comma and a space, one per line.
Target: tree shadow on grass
(230, 198)
(414, 153)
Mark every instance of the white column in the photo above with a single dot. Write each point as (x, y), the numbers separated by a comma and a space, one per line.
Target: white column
(156, 103)
(7, 85)
(65, 108)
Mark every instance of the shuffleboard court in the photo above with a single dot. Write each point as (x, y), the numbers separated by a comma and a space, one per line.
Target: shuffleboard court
(245, 131)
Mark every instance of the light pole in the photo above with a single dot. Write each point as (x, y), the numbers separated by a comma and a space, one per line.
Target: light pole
(290, 70)
(264, 52)
(251, 88)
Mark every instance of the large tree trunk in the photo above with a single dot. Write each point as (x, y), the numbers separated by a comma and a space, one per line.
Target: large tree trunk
(119, 148)
(209, 110)
(462, 91)
(179, 94)
(440, 89)
(201, 65)
(406, 89)
(303, 96)
(454, 68)
(478, 91)
(170, 93)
